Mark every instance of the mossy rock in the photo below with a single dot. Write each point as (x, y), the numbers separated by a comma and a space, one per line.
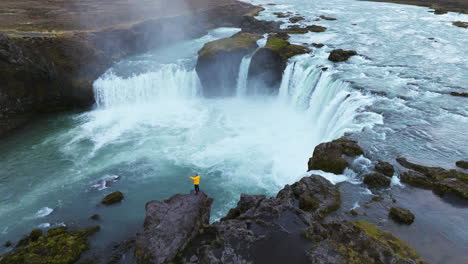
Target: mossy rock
(340, 55)
(316, 28)
(398, 247)
(286, 50)
(296, 19)
(8, 244)
(459, 95)
(55, 248)
(113, 198)
(401, 215)
(240, 41)
(385, 168)
(460, 24)
(376, 180)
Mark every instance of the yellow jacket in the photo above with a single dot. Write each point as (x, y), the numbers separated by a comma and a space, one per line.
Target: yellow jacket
(196, 179)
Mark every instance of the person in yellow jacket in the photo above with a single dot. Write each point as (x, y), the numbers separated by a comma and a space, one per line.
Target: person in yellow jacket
(196, 182)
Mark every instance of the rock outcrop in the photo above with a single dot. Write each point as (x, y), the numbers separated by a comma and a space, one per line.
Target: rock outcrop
(376, 180)
(401, 215)
(340, 55)
(438, 179)
(290, 229)
(459, 94)
(329, 156)
(112, 198)
(170, 225)
(59, 246)
(219, 60)
(385, 168)
(268, 63)
(460, 24)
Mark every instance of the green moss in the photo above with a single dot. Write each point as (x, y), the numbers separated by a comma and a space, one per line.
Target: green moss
(398, 247)
(309, 204)
(276, 43)
(112, 198)
(56, 248)
(246, 41)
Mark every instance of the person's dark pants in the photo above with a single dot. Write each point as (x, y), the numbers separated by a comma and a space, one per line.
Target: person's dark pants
(197, 188)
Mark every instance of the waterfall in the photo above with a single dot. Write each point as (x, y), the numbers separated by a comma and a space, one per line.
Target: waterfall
(243, 75)
(171, 81)
(330, 104)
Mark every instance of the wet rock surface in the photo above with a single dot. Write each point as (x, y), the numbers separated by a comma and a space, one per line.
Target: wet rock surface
(340, 55)
(438, 179)
(376, 180)
(218, 63)
(170, 225)
(112, 198)
(385, 168)
(401, 215)
(329, 156)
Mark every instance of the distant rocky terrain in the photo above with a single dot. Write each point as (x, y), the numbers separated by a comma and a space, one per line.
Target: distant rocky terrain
(440, 6)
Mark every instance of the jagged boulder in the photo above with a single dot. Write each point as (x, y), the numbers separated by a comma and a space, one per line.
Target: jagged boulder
(385, 168)
(268, 63)
(219, 60)
(312, 194)
(170, 225)
(401, 215)
(340, 55)
(329, 156)
(376, 180)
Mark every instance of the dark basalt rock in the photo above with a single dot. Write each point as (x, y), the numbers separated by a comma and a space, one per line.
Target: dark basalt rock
(376, 180)
(329, 156)
(318, 45)
(219, 60)
(327, 18)
(58, 247)
(316, 28)
(459, 94)
(401, 215)
(268, 63)
(460, 24)
(385, 168)
(296, 19)
(439, 11)
(8, 244)
(112, 198)
(286, 229)
(170, 225)
(439, 179)
(462, 164)
(282, 14)
(313, 194)
(340, 55)
(95, 217)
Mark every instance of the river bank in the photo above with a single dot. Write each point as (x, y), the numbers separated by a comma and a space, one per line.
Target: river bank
(440, 6)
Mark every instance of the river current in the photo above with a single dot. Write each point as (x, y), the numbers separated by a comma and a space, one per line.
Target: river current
(151, 127)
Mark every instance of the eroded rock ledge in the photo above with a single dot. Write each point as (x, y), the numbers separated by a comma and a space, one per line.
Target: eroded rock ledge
(288, 228)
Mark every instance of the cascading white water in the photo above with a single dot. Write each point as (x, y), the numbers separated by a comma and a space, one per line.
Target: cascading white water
(242, 78)
(171, 81)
